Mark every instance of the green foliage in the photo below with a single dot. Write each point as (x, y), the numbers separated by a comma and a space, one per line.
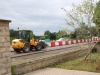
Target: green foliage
(80, 37)
(83, 33)
(42, 37)
(82, 30)
(96, 15)
(47, 34)
(13, 33)
(94, 31)
(94, 50)
(78, 15)
(32, 35)
(11, 39)
(62, 33)
(12, 70)
(79, 64)
(53, 36)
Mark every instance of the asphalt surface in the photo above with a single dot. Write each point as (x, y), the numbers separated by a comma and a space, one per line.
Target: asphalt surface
(40, 54)
(57, 47)
(49, 51)
(57, 71)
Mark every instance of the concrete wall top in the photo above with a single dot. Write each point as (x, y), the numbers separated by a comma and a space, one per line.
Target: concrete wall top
(2, 20)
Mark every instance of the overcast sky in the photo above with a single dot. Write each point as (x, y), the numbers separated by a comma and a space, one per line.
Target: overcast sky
(36, 15)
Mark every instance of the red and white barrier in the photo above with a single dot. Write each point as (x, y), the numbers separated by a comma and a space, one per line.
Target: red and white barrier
(60, 43)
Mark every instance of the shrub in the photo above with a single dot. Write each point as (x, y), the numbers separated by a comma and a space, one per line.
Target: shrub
(94, 50)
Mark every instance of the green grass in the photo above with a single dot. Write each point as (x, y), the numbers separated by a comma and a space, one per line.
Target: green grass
(11, 39)
(81, 64)
(12, 69)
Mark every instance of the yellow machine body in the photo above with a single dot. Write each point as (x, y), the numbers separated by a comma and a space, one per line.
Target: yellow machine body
(19, 43)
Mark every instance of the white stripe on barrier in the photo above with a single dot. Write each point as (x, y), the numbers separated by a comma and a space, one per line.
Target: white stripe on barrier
(56, 43)
(82, 40)
(86, 40)
(63, 43)
(49, 44)
(74, 41)
(69, 42)
(78, 41)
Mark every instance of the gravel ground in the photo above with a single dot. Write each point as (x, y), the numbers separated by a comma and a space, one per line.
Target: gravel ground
(57, 71)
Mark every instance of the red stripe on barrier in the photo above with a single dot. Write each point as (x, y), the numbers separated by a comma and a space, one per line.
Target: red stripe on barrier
(52, 44)
(84, 40)
(60, 43)
(66, 42)
(76, 41)
(72, 42)
(81, 41)
(93, 39)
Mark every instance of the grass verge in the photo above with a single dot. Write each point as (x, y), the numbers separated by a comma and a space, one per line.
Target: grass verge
(80, 64)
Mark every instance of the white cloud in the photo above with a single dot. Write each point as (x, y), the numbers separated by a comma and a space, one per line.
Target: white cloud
(37, 15)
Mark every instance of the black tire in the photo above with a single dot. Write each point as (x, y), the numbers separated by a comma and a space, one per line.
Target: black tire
(17, 50)
(42, 44)
(26, 48)
(38, 47)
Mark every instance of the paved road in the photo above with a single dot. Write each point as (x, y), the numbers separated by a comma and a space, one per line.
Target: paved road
(39, 54)
(57, 71)
(35, 54)
(57, 47)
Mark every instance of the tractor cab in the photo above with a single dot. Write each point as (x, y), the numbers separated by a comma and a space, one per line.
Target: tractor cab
(24, 34)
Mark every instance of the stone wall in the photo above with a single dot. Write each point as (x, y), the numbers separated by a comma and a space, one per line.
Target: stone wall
(25, 66)
(5, 59)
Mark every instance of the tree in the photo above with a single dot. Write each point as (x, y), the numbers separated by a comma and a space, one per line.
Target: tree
(96, 16)
(32, 35)
(47, 34)
(11, 32)
(94, 31)
(62, 33)
(83, 33)
(53, 36)
(80, 14)
(73, 35)
(42, 38)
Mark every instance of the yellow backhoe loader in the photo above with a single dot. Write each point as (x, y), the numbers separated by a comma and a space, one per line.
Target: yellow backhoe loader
(24, 42)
